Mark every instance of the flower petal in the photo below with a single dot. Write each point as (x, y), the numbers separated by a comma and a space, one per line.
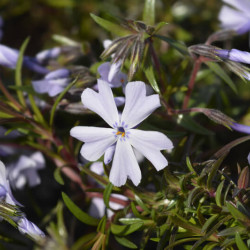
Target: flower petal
(97, 140)
(149, 143)
(41, 86)
(101, 103)
(243, 5)
(138, 106)
(124, 165)
(231, 18)
(109, 153)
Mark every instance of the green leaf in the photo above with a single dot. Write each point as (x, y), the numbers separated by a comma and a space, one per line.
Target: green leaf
(216, 68)
(78, 245)
(189, 123)
(240, 243)
(236, 213)
(175, 44)
(130, 221)
(38, 114)
(151, 78)
(194, 195)
(106, 194)
(58, 176)
(58, 99)
(213, 171)
(149, 12)
(209, 222)
(189, 165)
(135, 211)
(60, 4)
(111, 27)
(64, 40)
(141, 204)
(124, 230)
(125, 242)
(5, 115)
(243, 181)
(78, 213)
(219, 193)
(18, 72)
(102, 225)
(231, 231)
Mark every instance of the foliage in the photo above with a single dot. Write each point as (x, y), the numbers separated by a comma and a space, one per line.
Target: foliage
(201, 199)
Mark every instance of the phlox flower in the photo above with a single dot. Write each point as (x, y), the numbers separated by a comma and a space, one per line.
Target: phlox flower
(122, 133)
(112, 74)
(25, 170)
(53, 83)
(236, 16)
(9, 57)
(5, 191)
(240, 128)
(27, 227)
(47, 54)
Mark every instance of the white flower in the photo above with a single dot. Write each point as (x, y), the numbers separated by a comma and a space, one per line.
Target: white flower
(236, 17)
(25, 170)
(122, 133)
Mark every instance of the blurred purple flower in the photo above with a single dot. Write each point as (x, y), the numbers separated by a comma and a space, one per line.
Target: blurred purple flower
(234, 55)
(9, 56)
(240, 128)
(27, 227)
(45, 55)
(237, 16)
(111, 73)
(53, 83)
(5, 191)
(25, 170)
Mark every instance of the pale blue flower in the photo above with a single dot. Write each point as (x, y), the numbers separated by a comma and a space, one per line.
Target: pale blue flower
(45, 55)
(9, 57)
(53, 83)
(5, 191)
(234, 55)
(111, 73)
(236, 16)
(137, 108)
(24, 171)
(27, 227)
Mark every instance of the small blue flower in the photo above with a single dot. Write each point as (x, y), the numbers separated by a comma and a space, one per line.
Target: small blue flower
(53, 83)
(27, 227)
(9, 56)
(5, 191)
(234, 55)
(240, 128)
(45, 55)
(111, 73)
(25, 170)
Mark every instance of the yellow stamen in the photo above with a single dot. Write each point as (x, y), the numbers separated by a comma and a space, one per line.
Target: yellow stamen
(120, 133)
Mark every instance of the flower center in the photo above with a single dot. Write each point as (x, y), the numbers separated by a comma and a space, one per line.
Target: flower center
(121, 131)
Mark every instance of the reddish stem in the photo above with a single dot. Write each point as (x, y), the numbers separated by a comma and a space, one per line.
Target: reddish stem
(191, 82)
